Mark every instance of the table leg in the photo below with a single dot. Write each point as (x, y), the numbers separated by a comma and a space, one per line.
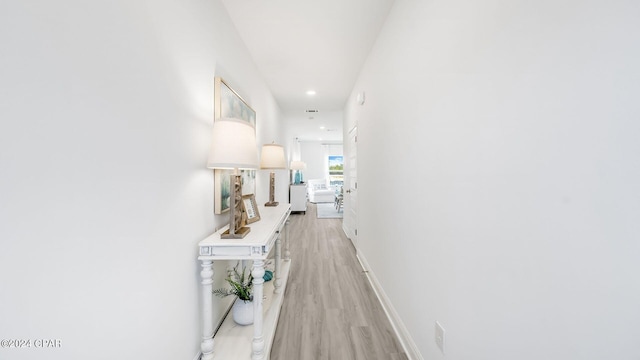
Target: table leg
(277, 283)
(207, 310)
(258, 291)
(287, 254)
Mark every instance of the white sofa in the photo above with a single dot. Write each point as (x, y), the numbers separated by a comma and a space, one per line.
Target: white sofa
(319, 192)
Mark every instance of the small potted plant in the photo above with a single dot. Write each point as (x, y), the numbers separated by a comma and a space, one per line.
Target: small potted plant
(241, 286)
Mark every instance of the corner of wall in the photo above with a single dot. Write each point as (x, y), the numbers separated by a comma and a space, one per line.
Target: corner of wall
(407, 342)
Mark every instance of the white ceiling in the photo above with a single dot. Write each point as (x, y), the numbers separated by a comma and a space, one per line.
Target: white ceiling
(301, 45)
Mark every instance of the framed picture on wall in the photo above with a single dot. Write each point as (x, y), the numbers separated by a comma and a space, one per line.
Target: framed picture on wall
(227, 103)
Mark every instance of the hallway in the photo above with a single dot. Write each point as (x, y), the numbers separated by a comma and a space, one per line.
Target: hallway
(330, 310)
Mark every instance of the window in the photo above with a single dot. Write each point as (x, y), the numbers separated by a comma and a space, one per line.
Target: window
(336, 170)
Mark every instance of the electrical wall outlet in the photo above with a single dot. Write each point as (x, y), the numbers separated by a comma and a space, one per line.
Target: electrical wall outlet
(440, 336)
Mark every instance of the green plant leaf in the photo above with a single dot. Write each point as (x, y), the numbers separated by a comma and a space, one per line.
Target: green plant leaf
(239, 287)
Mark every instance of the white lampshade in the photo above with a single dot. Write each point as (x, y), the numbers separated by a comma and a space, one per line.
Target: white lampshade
(298, 165)
(233, 145)
(272, 157)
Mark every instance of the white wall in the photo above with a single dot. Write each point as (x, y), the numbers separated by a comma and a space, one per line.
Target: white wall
(314, 154)
(106, 111)
(508, 133)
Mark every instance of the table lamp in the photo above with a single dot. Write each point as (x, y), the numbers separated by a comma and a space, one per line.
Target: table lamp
(234, 147)
(297, 166)
(272, 158)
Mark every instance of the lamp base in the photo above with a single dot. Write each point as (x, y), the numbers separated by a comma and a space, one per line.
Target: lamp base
(271, 203)
(240, 233)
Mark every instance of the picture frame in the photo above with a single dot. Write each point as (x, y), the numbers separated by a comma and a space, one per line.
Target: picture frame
(250, 208)
(228, 103)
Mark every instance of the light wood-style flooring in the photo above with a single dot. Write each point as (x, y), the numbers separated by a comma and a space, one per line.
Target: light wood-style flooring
(330, 311)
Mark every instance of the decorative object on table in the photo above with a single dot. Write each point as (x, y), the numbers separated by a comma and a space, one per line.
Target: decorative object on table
(297, 166)
(268, 275)
(242, 312)
(250, 208)
(222, 187)
(269, 270)
(241, 286)
(234, 147)
(228, 104)
(272, 158)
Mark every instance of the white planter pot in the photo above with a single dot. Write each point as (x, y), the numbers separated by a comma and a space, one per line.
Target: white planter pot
(242, 312)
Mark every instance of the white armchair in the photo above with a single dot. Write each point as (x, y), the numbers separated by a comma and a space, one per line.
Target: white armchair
(319, 192)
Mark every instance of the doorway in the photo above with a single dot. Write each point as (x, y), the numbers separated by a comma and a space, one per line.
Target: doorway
(350, 222)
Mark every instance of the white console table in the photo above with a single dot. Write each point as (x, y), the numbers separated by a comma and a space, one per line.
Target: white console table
(234, 341)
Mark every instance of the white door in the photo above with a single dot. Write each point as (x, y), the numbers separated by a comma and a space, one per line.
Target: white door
(350, 222)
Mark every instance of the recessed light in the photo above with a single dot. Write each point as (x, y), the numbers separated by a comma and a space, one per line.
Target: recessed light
(321, 127)
(311, 92)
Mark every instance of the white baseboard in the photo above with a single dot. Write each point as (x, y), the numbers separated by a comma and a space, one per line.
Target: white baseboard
(401, 331)
(346, 233)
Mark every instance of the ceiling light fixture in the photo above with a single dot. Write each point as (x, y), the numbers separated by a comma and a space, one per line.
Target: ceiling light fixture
(311, 92)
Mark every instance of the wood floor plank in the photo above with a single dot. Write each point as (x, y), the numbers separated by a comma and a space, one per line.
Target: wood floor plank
(330, 311)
